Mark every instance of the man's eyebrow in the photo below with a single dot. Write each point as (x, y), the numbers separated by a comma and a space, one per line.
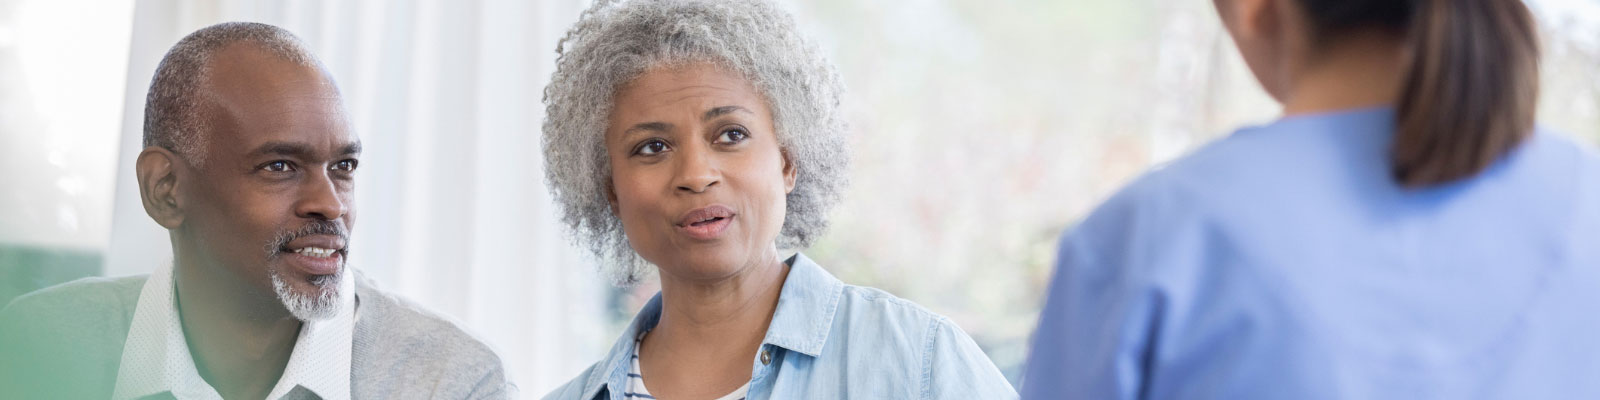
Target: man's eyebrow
(283, 149)
(302, 150)
(724, 110)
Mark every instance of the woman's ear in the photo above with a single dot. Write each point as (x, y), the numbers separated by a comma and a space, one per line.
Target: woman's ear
(611, 194)
(789, 172)
(1261, 30)
(1252, 20)
(157, 172)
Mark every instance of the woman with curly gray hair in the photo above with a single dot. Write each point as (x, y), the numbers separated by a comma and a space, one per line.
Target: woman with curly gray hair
(695, 139)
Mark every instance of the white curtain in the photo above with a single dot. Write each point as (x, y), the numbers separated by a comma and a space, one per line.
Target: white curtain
(451, 208)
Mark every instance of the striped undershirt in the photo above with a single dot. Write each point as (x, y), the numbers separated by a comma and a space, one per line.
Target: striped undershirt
(636, 389)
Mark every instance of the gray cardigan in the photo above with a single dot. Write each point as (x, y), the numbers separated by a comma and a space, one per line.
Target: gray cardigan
(66, 342)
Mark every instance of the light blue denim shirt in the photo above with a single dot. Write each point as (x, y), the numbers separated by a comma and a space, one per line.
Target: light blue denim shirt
(1284, 262)
(829, 340)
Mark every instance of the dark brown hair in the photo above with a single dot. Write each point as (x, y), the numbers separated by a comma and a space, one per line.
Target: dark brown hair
(1473, 84)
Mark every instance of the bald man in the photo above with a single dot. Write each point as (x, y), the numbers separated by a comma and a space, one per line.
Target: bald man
(249, 163)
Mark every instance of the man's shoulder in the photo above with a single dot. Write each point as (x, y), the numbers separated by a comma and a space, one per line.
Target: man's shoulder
(406, 344)
(66, 341)
(89, 301)
(390, 321)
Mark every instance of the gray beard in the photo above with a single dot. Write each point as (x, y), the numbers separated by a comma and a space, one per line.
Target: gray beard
(322, 305)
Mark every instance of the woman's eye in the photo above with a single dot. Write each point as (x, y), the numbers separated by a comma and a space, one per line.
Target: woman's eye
(278, 166)
(346, 166)
(651, 148)
(732, 136)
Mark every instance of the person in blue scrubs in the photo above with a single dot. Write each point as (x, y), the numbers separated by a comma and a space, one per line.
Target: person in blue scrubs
(1404, 231)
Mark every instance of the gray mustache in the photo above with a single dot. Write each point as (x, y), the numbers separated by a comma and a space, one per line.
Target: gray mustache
(314, 228)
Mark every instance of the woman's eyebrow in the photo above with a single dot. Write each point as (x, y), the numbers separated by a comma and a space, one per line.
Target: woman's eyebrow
(658, 127)
(724, 110)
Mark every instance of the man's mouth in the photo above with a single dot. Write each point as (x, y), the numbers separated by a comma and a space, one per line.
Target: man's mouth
(316, 252)
(315, 255)
(315, 261)
(315, 246)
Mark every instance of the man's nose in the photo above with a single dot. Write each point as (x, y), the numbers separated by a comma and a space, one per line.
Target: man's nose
(320, 198)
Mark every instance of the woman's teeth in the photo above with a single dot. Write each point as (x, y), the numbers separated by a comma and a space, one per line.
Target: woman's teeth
(315, 252)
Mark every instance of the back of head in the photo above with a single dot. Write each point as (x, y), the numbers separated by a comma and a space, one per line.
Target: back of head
(1469, 96)
(174, 116)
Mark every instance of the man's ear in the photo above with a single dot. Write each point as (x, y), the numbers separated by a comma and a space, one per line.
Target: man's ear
(157, 171)
(789, 173)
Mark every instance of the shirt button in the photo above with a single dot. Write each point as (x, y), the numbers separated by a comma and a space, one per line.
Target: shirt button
(766, 357)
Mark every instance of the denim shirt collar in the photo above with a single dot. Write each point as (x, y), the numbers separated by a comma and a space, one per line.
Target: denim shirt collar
(805, 310)
(800, 323)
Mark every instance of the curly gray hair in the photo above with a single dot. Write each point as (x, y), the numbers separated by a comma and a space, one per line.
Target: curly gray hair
(614, 42)
(172, 110)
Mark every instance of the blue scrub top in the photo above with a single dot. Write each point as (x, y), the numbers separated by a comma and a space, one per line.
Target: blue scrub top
(1284, 262)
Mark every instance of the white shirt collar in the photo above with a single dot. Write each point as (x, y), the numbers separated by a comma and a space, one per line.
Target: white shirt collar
(156, 359)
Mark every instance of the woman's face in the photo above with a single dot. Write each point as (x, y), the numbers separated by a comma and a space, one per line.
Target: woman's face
(698, 178)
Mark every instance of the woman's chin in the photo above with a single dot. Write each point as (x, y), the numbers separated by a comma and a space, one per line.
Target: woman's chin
(705, 267)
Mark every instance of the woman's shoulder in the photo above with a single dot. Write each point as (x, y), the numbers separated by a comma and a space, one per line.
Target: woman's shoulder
(812, 292)
(874, 317)
(1272, 166)
(930, 347)
(873, 305)
(1561, 149)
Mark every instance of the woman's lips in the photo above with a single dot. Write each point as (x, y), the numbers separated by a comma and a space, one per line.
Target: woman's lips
(705, 223)
(706, 230)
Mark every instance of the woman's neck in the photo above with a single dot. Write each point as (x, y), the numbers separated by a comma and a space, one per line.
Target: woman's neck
(1364, 69)
(710, 331)
(709, 313)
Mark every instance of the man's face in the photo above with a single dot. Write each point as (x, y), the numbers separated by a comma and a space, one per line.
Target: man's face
(271, 203)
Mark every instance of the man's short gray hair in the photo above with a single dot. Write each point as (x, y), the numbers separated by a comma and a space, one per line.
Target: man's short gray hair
(615, 42)
(174, 110)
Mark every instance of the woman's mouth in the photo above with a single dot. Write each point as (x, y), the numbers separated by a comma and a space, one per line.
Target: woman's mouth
(705, 223)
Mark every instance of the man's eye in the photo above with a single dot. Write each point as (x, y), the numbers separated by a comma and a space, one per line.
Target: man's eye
(652, 147)
(278, 166)
(346, 166)
(732, 136)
